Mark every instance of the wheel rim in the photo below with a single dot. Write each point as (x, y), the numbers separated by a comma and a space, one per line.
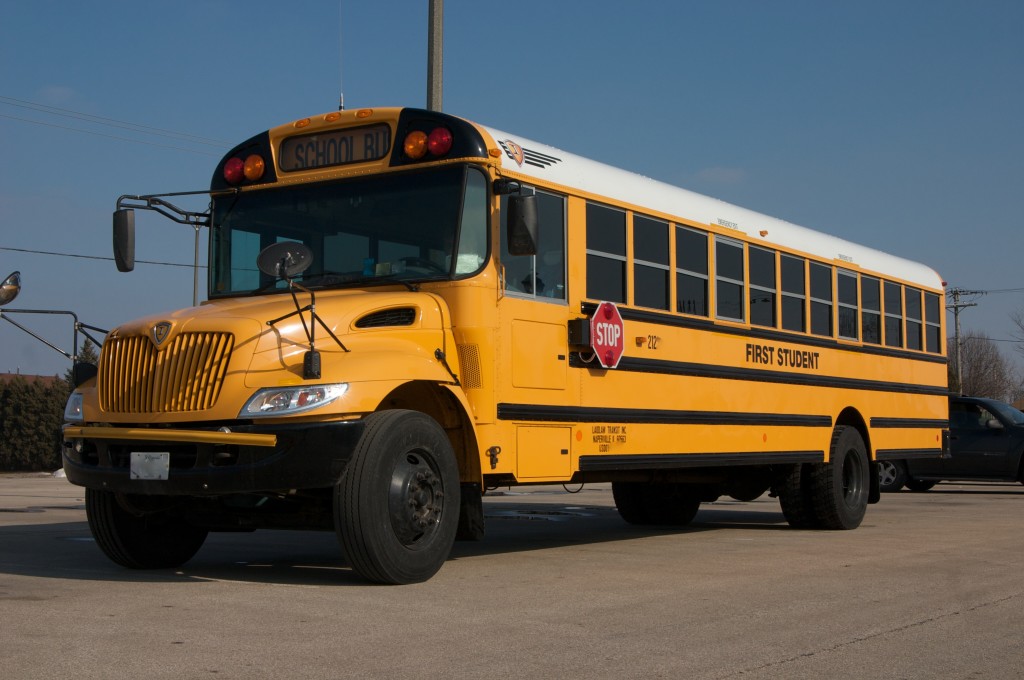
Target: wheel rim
(416, 499)
(886, 472)
(853, 478)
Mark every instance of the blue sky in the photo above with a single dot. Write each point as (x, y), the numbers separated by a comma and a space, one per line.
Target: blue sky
(899, 125)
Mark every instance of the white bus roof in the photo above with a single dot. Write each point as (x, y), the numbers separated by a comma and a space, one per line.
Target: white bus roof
(547, 163)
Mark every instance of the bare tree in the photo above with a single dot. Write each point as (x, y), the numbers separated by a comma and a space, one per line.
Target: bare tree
(985, 372)
(1018, 321)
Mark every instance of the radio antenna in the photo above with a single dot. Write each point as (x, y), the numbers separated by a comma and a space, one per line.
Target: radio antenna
(341, 64)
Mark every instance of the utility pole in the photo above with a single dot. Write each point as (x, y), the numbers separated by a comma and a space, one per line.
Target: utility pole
(435, 54)
(955, 307)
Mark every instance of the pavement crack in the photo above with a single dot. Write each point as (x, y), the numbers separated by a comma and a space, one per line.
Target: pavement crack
(871, 636)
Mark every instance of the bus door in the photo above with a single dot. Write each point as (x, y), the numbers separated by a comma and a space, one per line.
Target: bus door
(533, 344)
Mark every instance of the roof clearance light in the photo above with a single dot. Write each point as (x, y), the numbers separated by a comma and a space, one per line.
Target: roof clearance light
(440, 141)
(416, 145)
(254, 167)
(233, 171)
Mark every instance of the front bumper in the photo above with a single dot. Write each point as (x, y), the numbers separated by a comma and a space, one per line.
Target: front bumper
(210, 462)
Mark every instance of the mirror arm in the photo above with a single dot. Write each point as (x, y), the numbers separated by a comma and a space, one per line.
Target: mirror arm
(156, 203)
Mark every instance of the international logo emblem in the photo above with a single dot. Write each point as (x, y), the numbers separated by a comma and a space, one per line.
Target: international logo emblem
(513, 151)
(160, 332)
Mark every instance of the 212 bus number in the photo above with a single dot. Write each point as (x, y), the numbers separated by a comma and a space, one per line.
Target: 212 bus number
(652, 341)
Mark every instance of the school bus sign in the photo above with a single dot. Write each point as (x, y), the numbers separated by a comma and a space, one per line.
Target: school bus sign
(607, 335)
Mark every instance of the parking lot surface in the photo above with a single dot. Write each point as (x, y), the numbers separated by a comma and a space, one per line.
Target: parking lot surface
(930, 586)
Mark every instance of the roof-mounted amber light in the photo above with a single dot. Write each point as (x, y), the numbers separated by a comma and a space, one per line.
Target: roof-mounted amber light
(301, 123)
(254, 167)
(416, 145)
(332, 116)
(364, 113)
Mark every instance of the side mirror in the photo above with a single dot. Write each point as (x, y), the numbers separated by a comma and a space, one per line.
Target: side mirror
(124, 239)
(523, 225)
(83, 371)
(10, 288)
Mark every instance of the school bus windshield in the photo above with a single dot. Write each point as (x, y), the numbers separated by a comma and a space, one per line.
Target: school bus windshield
(411, 227)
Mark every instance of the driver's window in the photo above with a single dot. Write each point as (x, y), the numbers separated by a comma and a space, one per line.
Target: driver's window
(473, 225)
(984, 416)
(542, 275)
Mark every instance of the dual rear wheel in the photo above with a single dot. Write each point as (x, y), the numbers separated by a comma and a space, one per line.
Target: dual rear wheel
(831, 495)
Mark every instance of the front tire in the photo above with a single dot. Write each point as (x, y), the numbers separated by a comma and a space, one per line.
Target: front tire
(140, 539)
(396, 508)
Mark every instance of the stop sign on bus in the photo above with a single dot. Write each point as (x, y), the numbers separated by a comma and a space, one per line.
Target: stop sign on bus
(607, 335)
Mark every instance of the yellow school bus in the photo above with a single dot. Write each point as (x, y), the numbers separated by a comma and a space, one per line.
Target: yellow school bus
(407, 309)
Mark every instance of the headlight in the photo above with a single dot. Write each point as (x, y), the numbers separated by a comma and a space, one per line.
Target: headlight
(282, 401)
(73, 409)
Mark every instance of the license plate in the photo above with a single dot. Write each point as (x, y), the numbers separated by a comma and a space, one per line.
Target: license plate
(150, 464)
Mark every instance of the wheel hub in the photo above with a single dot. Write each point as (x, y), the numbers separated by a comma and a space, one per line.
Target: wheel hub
(416, 499)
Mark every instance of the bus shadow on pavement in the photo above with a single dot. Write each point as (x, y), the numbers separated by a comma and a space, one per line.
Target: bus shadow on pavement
(314, 558)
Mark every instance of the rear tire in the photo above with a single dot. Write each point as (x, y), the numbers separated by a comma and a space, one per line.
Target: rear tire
(839, 489)
(140, 540)
(655, 504)
(396, 508)
(793, 490)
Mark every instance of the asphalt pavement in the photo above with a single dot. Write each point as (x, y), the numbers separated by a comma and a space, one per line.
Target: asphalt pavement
(928, 587)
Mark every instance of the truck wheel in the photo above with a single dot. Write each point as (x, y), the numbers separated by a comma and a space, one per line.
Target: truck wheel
(839, 488)
(630, 502)
(793, 489)
(920, 485)
(396, 507)
(140, 540)
(651, 504)
(892, 475)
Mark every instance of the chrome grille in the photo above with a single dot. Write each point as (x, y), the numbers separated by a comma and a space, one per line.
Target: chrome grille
(186, 375)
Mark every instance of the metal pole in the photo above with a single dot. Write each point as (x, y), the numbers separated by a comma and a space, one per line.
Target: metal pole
(195, 271)
(435, 54)
(955, 293)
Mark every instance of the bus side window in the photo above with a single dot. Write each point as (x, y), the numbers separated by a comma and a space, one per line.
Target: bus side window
(541, 275)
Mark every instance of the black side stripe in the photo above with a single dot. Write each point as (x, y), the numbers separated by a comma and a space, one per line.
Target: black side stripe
(683, 368)
(667, 319)
(689, 460)
(906, 454)
(924, 423)
(583, 414)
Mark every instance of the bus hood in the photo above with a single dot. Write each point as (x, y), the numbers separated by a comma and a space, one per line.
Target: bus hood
(244, 343)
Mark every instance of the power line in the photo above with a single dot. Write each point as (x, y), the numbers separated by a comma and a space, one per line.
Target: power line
(103, 134)
(94, 257)
(112, 122)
